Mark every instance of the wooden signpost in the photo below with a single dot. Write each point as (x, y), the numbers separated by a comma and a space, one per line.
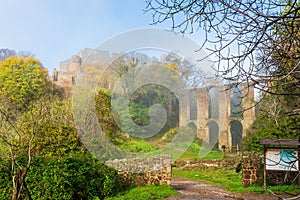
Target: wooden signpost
(281, 155)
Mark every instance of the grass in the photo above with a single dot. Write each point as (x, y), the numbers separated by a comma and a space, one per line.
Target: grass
(137, 146)
(192, 153)
(231, 181)
(149, 192)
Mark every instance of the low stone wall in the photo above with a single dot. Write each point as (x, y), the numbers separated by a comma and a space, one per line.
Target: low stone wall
(252, 168)
(281, 177)
(144, 171)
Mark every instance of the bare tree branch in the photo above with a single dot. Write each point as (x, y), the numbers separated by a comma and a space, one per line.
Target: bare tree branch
(251, 41)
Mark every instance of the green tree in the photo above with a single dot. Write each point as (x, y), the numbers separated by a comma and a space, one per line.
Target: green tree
(44, 129)
(56, 133)
(22, 80)
(17, 132)
(274, 121)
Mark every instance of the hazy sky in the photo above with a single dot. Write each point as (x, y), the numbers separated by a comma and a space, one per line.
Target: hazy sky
(54, 30)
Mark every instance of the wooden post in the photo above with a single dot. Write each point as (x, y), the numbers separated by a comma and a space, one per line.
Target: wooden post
(265, 170)
(299, 163)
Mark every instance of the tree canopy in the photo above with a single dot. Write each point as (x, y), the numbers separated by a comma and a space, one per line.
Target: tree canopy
(22, 80)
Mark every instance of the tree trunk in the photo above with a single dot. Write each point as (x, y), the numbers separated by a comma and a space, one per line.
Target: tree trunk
(27, 190)
(20, 179)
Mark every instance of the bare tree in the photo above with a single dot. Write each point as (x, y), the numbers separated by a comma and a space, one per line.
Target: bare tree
(5, 53)
(254, 41)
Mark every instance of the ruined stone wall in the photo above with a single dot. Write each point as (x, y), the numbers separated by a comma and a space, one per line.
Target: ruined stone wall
(252, 168)
(144, 171)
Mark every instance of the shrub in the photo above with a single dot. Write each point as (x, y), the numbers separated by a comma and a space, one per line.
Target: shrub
(5, 183)
(74, 177)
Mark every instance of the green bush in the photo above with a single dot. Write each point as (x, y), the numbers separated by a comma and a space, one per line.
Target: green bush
(74, 177)
(5, 180)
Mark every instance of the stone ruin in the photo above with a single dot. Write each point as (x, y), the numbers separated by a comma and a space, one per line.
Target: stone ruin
(144, 171)
(68, 70)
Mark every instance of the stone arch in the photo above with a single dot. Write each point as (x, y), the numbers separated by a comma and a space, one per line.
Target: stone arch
(213, 103)
(213, 131)
(236, 130)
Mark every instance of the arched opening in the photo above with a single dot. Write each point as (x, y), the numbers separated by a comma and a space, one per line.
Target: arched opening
(236, 130)
(193, 105)
(213, 103)
(236, 110)
(213, 134)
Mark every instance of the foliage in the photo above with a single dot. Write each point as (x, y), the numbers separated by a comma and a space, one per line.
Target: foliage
(272, 122)
(106, 117)
(131, 70)
(22, 80)
(5, 183)
(44, 128)
(47, 124)
(56, 135)
(17, 132)
(146, 193)
(77, 176)
(135, 146)
(146, 96)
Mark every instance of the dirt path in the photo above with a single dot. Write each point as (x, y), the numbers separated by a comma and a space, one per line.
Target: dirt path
(191, 190)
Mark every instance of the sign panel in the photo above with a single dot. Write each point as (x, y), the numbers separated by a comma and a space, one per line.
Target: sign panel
(282, 159)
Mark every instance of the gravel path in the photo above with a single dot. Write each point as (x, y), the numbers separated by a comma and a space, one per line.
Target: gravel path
(191, 190)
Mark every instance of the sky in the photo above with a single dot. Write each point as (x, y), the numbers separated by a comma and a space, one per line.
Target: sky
(54, 30)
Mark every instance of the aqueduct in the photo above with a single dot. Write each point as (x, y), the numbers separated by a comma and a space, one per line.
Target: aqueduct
(215, 116)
